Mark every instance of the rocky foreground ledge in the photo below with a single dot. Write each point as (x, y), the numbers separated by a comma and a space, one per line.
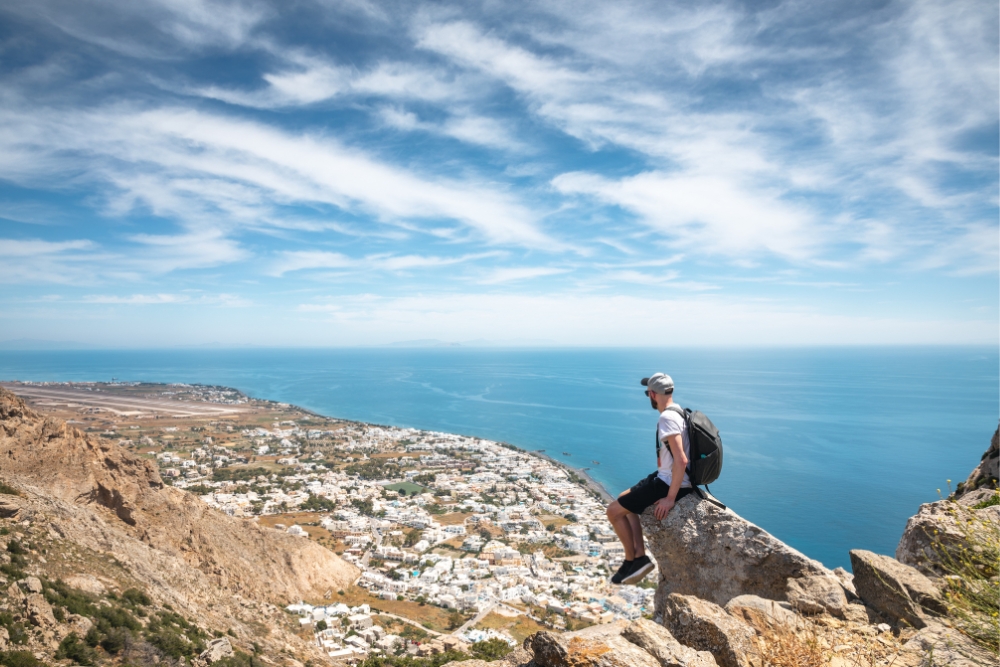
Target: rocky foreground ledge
(732, 595)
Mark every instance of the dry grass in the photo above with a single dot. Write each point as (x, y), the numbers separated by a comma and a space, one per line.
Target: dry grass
(518, 627)
(972, 585)
(551, 519)
(453, 519)
(778, 646)
(427, 615)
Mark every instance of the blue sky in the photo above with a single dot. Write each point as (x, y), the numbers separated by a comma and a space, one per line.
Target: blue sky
(179, 172)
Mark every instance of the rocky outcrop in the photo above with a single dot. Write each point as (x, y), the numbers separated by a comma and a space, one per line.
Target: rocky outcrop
(899, 591)
(705, 626)
(216, 650)
(939, 531)
(659, 643)
(715, 554)
(938, 644)
(640, 643)
(816, 594)
(239, 556)
(597, 649)
(986, 474)
(762, 614)
(38, 611)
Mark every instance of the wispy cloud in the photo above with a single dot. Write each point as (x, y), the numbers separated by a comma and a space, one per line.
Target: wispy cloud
(228, 300)
(519, 273)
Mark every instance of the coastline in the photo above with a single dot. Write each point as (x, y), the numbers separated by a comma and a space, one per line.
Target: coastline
(589, 482)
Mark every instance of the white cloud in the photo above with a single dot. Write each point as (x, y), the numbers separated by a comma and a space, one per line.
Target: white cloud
(301, 260)
(229, 300)
(506, 275)
(708, 214)
(194, 165)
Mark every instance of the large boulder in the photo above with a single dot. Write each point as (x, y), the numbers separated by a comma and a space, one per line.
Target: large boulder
(899, 591)
(596, 649)
(706, 626)
(763, 614)
(715, 554)
(816, 594)
(38, 611)
(216, 650)
(657, 641)
(640, 643)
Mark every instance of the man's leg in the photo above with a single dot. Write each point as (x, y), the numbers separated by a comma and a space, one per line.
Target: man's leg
(620, 519)
(638, 548)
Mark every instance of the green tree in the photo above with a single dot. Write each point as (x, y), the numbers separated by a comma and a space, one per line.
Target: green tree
(491, 649)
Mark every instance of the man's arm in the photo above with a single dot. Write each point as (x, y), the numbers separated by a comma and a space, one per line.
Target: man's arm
(664, 505)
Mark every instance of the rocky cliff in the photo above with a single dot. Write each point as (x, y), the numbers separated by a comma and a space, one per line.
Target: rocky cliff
(730, 594)
(103, 518)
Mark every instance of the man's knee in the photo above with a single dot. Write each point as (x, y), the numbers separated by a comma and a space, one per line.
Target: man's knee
(615, 510)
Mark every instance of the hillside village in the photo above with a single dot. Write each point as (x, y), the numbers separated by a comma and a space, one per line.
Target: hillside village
(479, 529)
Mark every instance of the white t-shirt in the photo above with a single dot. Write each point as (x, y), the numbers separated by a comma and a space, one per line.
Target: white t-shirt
(671, 423)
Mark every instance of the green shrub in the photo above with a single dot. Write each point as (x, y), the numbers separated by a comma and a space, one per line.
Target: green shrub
(15, 547)
(491, 649)
(19, 659)
(115, 640)
(239, 659)
(116, 617)
(989, 502)
(408, 661)
(73, 648)
(75, 601)
(135, 596)
(8, 490)
(17, 631)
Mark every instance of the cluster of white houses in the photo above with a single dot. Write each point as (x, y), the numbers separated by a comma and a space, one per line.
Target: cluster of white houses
(505, 499)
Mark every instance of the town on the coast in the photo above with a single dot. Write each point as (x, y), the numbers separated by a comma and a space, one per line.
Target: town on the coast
(458, 539)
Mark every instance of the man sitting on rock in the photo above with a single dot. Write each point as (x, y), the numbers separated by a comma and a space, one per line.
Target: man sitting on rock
(661, 488)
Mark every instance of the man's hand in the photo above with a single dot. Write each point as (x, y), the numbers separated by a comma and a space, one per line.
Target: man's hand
(662, 507)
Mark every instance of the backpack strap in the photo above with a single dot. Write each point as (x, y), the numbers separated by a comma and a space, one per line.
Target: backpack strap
(679, 410)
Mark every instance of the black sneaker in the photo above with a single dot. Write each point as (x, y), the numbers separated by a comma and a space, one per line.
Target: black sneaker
(622, 572)
(641, 566)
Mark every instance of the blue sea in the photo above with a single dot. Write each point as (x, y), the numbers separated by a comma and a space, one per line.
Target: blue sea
(829, 449)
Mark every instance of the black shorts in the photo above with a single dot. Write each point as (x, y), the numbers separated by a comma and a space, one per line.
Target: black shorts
(646, 492)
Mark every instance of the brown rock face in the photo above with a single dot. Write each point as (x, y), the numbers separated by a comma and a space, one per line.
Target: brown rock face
(897, 590)
(659, 643)
(715, 554)
(817, 594)
(640, 643)
(38, 611)
(705, 626)
(238, 555)
(986, 474)
(762, 614)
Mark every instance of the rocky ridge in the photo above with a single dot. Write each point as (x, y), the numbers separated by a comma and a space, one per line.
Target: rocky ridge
(102, 519)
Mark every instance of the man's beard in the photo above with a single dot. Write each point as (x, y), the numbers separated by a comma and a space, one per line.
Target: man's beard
(652, 402)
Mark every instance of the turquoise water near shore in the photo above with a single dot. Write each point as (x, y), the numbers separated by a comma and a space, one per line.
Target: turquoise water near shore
(829, 449)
